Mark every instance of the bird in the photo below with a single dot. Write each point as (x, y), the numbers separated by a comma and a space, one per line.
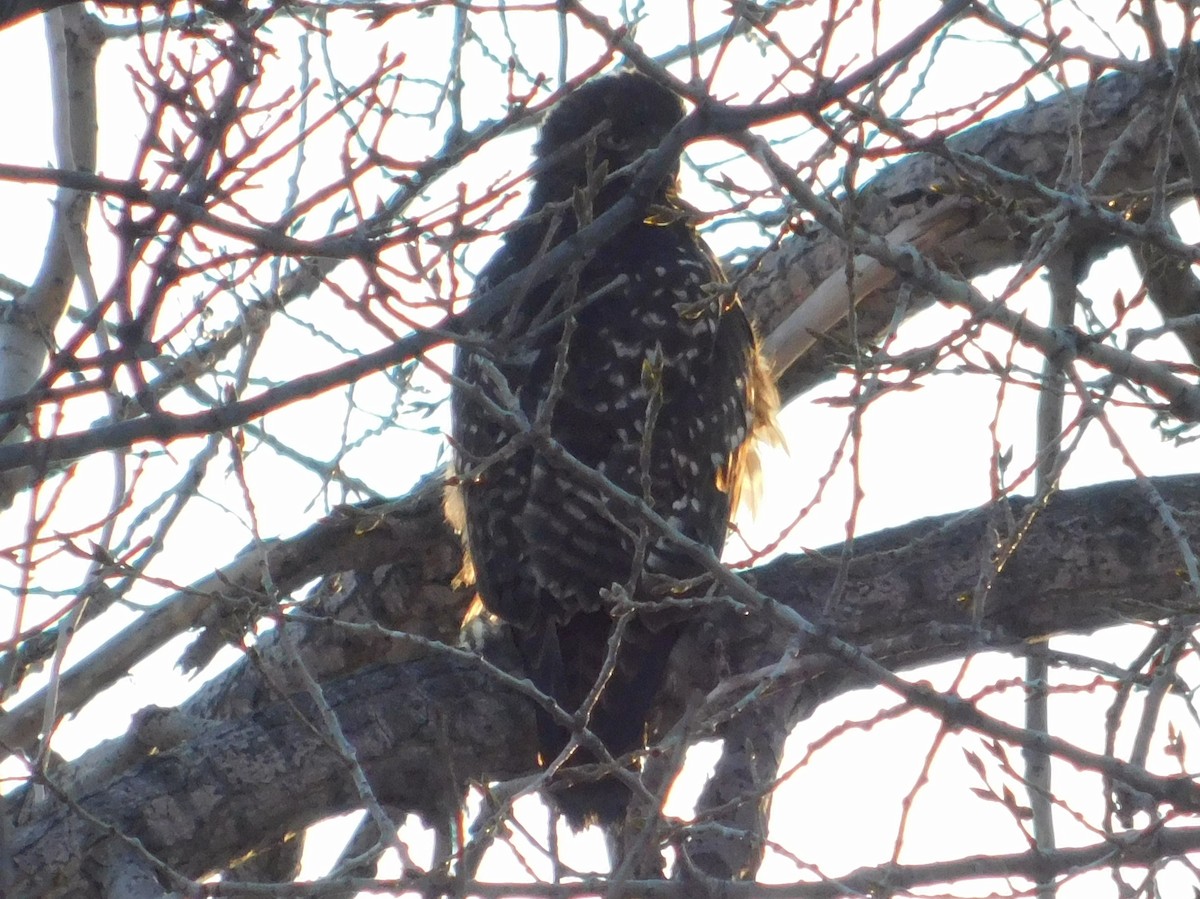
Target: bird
(636, 366)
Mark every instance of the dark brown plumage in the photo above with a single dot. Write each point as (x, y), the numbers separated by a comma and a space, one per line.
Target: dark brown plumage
(661, 390)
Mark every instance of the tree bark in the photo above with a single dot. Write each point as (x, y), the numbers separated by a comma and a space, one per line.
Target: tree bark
(974, 203)
(424, 728)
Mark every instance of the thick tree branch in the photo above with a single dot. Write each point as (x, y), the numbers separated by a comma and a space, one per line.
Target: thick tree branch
(195, 806)
(961, 201)
(1091, 558)
(411, 532)
(26, 328)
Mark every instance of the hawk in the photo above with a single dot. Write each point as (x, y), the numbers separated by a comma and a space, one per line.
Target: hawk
(639, 363)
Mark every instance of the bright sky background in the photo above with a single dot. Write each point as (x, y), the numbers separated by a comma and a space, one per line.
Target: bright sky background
(925, 453)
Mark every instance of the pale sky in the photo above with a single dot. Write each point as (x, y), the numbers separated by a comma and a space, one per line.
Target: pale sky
(924, 453)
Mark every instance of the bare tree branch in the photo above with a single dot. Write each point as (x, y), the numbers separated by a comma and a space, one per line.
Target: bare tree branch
(954, 201)
(1092, 558)
(223, 242)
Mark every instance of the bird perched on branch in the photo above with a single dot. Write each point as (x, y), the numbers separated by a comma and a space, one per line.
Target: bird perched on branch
(635, 367)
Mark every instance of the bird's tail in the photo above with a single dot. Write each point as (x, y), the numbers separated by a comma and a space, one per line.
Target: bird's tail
(565, 662)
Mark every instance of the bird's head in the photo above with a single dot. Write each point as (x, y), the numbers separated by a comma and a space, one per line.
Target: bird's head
(610, 122)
